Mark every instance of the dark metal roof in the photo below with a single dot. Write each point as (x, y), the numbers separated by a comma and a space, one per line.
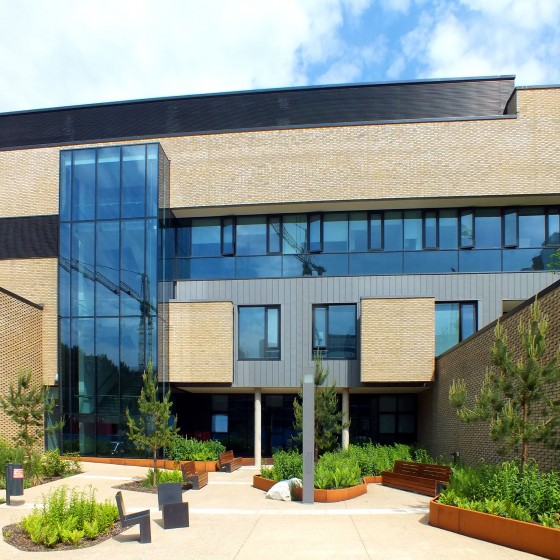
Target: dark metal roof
(264, 109)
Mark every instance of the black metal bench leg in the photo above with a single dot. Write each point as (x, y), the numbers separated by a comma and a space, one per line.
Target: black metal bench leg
(145, 530)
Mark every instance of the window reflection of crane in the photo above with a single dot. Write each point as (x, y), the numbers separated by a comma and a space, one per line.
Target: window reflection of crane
(146, 307)
(305, 258)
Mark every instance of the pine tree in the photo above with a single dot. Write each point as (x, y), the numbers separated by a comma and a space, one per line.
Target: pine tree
(328, 419)
(27, 406)
(151, 431)
(515, 396)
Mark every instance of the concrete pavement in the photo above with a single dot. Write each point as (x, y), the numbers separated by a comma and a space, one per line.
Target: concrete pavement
(229, 519)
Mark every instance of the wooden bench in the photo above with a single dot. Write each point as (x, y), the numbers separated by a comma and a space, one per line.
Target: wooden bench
(141, 518)
(227, 462)
(197, 479)
(422, 478)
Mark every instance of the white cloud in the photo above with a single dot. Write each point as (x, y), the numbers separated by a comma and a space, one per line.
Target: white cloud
(66, 52)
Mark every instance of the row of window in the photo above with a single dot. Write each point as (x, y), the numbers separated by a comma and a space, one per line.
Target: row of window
(341, 232)
(334, 329)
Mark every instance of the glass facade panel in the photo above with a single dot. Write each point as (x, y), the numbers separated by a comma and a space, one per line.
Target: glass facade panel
(83, 366)
(448, 229)
(319, 328)
(335, 233)
(251, 235)
(133, 276)
(65, 206)
(259, 333)
(531, 227)
(259, 267)
(485, 260)
(206, 237)
(358, 225)
(315, 244)
(180, 243)
(83, 268)
(510, 228)
(447, 326)
(467, 229)
(376, 231)
(228, 236)
(107, 271)
(515, 260)
(430, 230)
(488, 228)
(274, 239)
(375, 263)
(83, 185)
(199, 269)
(294, 234)
(468, 320)
(393, 231)
(107, 360)
(108, 183)
(334, 331)
(133, 184)
(152, 180)
(64, 270)
(315, 265)
(553, 227)
(413, 230)
(430, 262)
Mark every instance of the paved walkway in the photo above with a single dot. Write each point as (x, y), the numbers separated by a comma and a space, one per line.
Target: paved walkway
(229, 519)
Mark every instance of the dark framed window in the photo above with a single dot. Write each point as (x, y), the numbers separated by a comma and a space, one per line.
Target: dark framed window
(334, 331)
(448, 231)
(259, 332)
(375, 236)
(510, 228)
(274, 235)
(413, 230)
(228, 236)
(531, 227)
(487, 227)
(430, 229)
(455, 321)
(393, 231)
(315, 233)
(466, 231)
(553, 227)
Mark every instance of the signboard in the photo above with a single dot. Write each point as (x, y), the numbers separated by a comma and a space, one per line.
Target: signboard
(18, 473)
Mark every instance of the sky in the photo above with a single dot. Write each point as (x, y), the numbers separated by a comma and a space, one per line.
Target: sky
(56, 53)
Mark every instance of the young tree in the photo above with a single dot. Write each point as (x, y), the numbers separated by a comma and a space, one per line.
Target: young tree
(27, 405)
(151, 431)
(328, 419)
(515, 396)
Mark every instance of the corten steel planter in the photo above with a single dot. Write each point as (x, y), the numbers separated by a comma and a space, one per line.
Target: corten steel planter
(205, 466)
(372, 479)
(336, 495)
(263, 483)
(527, 537)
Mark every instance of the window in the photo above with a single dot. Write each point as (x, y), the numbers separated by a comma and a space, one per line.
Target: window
(455, 321)
(510, 228)
(259, 333)
(553, 227)
(487, 227)
(376, 231)
(334, 331)
(467, 229)
(274, 235)
(430, 230)
(228, 236)
(315, 232)
(413, 230)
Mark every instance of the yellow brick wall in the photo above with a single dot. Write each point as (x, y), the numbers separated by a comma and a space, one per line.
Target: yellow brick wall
(20, 349)
(36, 281)
(201, 339)
(381, 162)
(397, 340)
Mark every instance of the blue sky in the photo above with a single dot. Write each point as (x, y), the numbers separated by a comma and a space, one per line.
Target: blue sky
(66, 52)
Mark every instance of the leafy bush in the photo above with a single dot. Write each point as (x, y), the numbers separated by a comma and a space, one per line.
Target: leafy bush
(336, 470)
(163, 477)
(52, 465)
(506, 490)
(267, 472)
(69, 516)
(184, 449)
(287, 464)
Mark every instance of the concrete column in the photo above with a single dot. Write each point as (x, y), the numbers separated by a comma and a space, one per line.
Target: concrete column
(258, 428)
(308, 438)
(345, 417)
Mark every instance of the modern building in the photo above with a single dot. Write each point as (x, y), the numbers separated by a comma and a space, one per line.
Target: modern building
(228, 238)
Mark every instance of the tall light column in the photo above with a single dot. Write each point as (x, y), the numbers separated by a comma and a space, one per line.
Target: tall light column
(346, 418)
(258, 428)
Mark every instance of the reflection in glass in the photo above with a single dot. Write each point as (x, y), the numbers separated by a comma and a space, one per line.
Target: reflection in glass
(375, 263)
(358, 231)
(133, 277)
(152, 180)
(488, 228)
(468, 320)
(84, 365)
(179, 244)
(259, 335)
(448, 229)
(107, 360)
(205, 237)
(485, 260)
(334, 331)
(375, 231)
(314, 265)
(315, 233)
(525, 259)
(222, 267)
(83, 271)
(430, 229)
(228, 236)
(259, 267)
(553, 227)
(531, 227)
(294, 234)
(250, 236)
(274, 239)
(467, 229)
(429, 262)
(83, 185)
(65, 208)
(335, 233)
(393, 231)
(447, 326)
(319, 328)
(108, 183)
(64, 270)
(133, 186)
(413, 230)
(107, 263)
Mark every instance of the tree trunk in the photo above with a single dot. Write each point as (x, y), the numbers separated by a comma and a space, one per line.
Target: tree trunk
(155, 467)
(524, 443)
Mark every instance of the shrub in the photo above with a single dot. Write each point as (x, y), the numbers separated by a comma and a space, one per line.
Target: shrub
(52, 465)
(184, 449)
(336, 470)
(507, 490)
(287, 464)
(163, 477)
(69, 516)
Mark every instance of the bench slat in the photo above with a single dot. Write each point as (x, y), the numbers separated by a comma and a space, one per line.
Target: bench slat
(422, 478)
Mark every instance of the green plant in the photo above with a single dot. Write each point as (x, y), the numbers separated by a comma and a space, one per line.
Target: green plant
(328, 419)
(151, 430)
(162, 477)
(27, 403)
(267, 472)
(184, 449)
(515, 395)
(68, 516)
(287, 464)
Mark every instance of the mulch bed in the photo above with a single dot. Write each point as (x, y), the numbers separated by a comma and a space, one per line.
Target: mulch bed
(15, 535)
(136, 486)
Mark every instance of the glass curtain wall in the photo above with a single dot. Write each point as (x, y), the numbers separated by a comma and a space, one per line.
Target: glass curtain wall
(108, 273)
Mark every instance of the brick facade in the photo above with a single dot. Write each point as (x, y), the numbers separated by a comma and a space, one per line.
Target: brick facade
(397, 340)
(20, 348)
(201, 336)
(439, 428)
